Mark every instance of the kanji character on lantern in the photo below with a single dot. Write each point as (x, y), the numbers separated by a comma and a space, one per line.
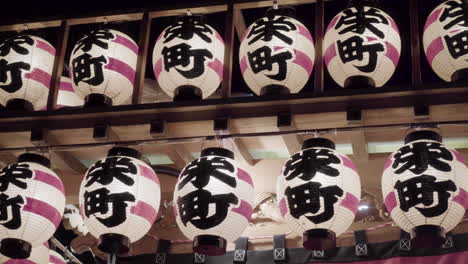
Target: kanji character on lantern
(272, 26)
(94, 38)
(353, 49)
(358, 21)
(187, 31)
(10, 75)
(104, 171)
(199, 172)
(15, 174)
(453, 10)
(183, 55)
(262, 60)
(10, 211)
(16, 44)
(308, 163)
(88, 69)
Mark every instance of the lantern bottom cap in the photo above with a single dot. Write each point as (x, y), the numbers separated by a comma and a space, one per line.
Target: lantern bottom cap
(19, 105)
(274, 89)
(359, 82)
(35, 158)
(15, 248)
(460, 75)
(209, 245)
(97, 100)
(222, 152)
(114, 243)
(428, 236)
(187, 93)
(319, 239)
(124, 151)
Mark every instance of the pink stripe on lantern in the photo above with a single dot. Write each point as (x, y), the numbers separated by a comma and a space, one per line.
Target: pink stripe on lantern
(392, 53)
(127, 43)
(348, 163)
(283, 208)
(145, 211)
(174, 210)
(122, 68)
(394, 25)
(158, 68)
(243, 64)
(149, 174)
(371, 38)
(82, 211)
(330, 54)
(244, 209)
(462, 198)
(351, 202)
(55, 260)
(217, 66)
(219, 37)
(244, 35)
(434, 49)
(432, 18)
(49, 179)
(277, 48)
(45, 47)
(458, 156)
(40, 76)
(388, 163)
(304, 32)
(304, 61)
(20, 261)
(332, 23)
(244, 176)
(43, 209)
(390, 201)
(46, 244)
(66, 86)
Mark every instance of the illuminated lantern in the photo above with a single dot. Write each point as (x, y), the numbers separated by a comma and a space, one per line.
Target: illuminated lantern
(103, 66)
(276, 54)
(188, 59)
(39, 255)
(119, 199)
(56, 258)
(66, 94)
(361, 47)
(425, 189)
(445, 40)
(318, 193)
(32, 197)
(26, 64)
(213, 201)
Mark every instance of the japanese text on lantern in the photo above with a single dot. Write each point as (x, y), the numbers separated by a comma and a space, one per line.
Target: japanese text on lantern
(11, 72)
(454, 14)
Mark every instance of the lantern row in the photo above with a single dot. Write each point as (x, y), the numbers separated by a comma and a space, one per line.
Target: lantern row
(424, 187)
(361, 48)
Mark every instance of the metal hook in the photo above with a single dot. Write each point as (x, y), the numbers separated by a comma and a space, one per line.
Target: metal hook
(275, 4)
(189, 13)
(105, 20)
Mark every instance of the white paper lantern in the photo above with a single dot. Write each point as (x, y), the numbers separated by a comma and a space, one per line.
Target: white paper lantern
(56, 258)
(361, 54)
(32, 201)
(425, 189)
(445, 40)
(66, 95)
(213, 201)
(103, 66)
(39, 255)
(188, 59)
(26, 64)
(318, 193)
(119, 199)
(276, 55)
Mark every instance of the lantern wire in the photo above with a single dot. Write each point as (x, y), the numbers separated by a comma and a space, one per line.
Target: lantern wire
(65, 250)
(111, 258)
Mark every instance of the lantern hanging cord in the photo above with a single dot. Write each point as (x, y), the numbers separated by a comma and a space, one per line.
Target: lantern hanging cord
(198, 139)
(65, 250)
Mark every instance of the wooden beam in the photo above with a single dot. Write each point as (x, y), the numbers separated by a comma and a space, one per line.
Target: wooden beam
(260, 4)
(319, 35)
(143, 44)
(67, 157)
(229, 50)
(293, 142)
(105, 19)
(179, 155)
(58, 64)
(359, 143)
(194, 10)
(239, 23)
(7, 159)
(415, 43)
(239, 144)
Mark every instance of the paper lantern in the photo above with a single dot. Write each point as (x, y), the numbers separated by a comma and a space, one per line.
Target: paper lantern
(361, 47)
(103, 66)
(188, 59)
(318, 193)
(56, 258)
(119, 199)
(445, 40)
(39, 255)
(425, 189)
(26, 64)
(276, 54)
(213, 201)
(66, 95)
(32, 200)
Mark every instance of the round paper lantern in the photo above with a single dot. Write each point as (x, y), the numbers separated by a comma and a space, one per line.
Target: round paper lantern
(276, 54)
(188, 59)
(66, 94)
(361, 47)
(119, 199)
(445, 40)
(318, 193)
(56, 258)
(39, 255)
(213, 201)
(102, 67)
(32, 201)
(425, 189)
(26, 64)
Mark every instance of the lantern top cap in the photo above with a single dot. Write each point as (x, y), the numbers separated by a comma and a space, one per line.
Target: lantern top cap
(217, 152)
(318, 143)
(36, 158)
(362, 3)
(421, 135)
(281, 11)
(124, 151)
(190, 19)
